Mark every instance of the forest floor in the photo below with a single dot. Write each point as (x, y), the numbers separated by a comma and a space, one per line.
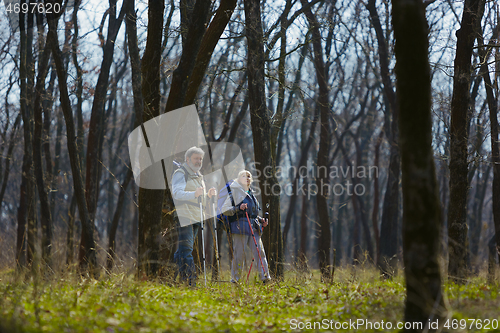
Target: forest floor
(356, 301)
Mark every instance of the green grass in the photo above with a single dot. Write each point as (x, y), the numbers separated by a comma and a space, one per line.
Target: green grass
(120, 303)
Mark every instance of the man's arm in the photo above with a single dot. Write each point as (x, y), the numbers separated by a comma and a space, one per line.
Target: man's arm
(178, 186)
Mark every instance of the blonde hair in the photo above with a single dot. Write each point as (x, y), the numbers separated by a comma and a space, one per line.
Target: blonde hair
(242, 172)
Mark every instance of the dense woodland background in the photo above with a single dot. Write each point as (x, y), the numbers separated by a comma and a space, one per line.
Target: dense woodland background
(294, 83)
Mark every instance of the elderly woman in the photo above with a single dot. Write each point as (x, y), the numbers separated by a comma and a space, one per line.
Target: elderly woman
(245, 203)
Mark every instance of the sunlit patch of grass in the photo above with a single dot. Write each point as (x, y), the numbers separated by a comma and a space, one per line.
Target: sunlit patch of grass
(120, 303)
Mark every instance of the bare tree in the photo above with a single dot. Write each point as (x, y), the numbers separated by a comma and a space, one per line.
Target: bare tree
(135, 64)
(390, 212)
(198, 45)
(89, 259)
(422, 219)
(96, 126)
(324, 233)
(457, 214)
(261, 131)
(484, 52)
(150, 201)
(46, 219)
(27, 206)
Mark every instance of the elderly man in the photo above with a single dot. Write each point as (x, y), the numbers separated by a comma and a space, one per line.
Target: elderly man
(187, 187)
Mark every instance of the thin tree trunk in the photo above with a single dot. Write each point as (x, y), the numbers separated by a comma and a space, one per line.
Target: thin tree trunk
(26, 210)
(492, 258)
(150, 201)
(46, 220)
(116, 219)
(79, 86)
(135, 63)
(457, 211)
(302, 255)
(324, 234)
(376, 200)
(96, 125)
(47, 105)
(495, 147)
(477, 225)
(88, 260)
(390, 209)
(339, 247)
(361, 211)
(70, 232)
(10, 151)
(261, 132)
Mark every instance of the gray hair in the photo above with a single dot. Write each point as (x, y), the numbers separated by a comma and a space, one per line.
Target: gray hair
(194, 150)
(245, 172)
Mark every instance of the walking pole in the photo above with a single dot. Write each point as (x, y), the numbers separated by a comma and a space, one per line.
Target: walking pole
(255, 241)
(248, 275)
(215, 228)
(202, 239)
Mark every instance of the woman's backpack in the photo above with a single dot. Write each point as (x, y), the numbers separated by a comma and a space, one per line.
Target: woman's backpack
(223, 194)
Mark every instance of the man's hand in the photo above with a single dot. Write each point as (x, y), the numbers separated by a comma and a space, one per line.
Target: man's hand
(243, 206)
(198, 192)
(264, 222)
(212, 192)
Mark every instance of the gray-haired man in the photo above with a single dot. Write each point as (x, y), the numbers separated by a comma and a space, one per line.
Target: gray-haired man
(187, 187)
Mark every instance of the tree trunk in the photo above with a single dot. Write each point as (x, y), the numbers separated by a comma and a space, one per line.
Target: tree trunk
(88, 260)
(190, 48)
(79, 87)
(150, 201)
(390, 209)
(10, 151)
(422, 218)
(302, 253)
(207, 46)
(194, 39)
(457, 211)
(495, 147)
(96, 125)
(26, 235)
(261, 132)
(376, 201)
(47, 104)
(210, 39)
(116, 219)
(477, 218)
(46, 220)
(324, 234)
(70, 232)
(492, 259)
